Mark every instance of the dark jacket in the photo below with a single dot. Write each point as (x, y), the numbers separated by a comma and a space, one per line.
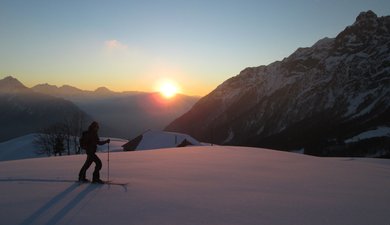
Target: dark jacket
(93, 142)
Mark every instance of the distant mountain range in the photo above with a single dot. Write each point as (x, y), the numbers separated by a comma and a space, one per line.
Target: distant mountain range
(317, 99)
(121, 114)
(74, 94)
(23, 111)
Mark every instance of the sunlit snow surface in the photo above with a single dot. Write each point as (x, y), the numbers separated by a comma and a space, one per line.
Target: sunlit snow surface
(198, 185)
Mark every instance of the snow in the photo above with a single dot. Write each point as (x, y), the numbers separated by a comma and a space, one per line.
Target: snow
(160, 139)
(23, 147)
(230, 136)
(115, 144)
(356, 101)
(332, 61)
(19, 148)
(199, 185)
(368, 109)
(378, 132)
(323, 43)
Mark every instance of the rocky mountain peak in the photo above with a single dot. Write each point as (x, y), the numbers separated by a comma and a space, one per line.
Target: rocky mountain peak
(364, 17)
(366, 30)
(367, 22)
(11, 84)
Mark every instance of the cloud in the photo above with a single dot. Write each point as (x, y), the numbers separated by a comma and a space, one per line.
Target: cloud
(113, 45)
(121, 52)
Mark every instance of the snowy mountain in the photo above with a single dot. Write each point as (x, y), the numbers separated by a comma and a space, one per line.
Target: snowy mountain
(24, 111)
(198, 185)
(315, 99)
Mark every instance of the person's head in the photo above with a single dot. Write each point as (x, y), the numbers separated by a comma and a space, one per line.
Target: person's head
(94, 126)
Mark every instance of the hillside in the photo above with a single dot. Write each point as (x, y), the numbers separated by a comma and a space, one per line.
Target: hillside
(315, 99)
(199, 185)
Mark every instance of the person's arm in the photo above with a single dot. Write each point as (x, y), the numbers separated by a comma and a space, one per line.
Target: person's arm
(99, 142)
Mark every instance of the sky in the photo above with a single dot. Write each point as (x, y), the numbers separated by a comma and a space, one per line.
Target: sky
(137, 45)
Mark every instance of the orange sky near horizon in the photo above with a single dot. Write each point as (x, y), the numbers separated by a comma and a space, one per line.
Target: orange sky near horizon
(190, 87)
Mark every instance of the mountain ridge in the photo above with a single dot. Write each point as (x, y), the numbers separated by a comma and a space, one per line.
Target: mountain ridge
(69, 91)
(313, 99)
(11, 84)
(25, 111)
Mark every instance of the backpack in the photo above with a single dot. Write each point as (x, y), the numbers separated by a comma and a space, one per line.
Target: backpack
(84, 140)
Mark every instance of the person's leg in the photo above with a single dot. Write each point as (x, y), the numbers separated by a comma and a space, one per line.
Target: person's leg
(83, 170)
(98, 167)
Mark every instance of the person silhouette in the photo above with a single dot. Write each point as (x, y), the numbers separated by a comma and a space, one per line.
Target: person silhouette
(91, 141)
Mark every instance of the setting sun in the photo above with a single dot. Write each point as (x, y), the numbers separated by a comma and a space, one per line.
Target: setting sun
(168, 90)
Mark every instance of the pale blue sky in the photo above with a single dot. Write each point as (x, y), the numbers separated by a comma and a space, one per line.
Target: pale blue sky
(131, 45)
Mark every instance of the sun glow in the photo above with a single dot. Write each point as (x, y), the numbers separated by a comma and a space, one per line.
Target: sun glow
(168, 90)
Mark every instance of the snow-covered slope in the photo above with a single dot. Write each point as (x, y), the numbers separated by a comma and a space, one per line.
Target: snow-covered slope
(154, 139)
(314, 99)
(23, 147)
(199, 185)
(19, 148)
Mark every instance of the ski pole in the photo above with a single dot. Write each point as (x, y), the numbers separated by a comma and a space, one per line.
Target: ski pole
(108, 162)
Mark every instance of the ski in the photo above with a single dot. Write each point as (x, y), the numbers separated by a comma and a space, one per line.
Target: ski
(104, 182)
(115, 183)
(111, 182)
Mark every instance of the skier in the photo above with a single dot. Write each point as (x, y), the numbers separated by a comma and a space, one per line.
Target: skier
(90, 142)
